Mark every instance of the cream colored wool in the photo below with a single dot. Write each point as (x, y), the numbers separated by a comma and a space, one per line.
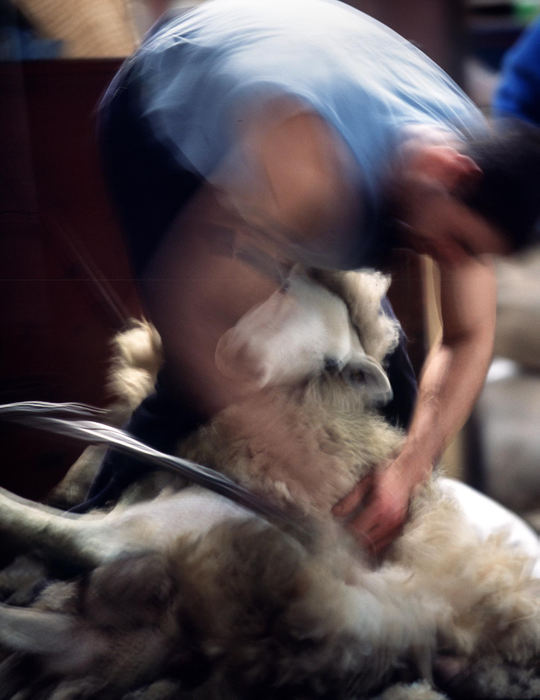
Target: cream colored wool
(266, 610)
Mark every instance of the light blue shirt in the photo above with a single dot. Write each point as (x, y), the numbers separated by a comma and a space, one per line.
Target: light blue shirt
(205, 72)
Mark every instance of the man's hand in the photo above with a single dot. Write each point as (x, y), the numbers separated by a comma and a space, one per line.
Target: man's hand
(375, 511)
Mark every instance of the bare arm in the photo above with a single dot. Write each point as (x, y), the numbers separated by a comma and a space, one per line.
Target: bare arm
(456, 367)
(452, 377)
(200, 287)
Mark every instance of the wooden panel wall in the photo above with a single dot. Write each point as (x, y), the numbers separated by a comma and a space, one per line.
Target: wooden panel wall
(65, 285)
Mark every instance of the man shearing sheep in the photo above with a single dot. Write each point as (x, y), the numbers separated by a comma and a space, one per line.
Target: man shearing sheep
(245, 136)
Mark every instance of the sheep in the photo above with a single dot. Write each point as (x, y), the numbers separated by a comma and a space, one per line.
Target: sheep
(178, 591)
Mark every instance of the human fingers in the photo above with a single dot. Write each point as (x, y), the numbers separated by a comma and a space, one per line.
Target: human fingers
(375, 538)
(353, 499)
(377, 526)
(380, 543)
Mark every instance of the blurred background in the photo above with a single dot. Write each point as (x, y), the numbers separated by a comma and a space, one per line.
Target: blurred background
(65, 283)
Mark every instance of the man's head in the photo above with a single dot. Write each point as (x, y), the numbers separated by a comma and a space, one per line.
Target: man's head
(482, 199)
(508, 193)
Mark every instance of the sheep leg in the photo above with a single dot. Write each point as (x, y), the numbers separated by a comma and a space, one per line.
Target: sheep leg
(93, 539)
(67, 537)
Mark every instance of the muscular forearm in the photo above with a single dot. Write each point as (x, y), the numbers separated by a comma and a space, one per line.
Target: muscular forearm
(451, 381)
(455, 368)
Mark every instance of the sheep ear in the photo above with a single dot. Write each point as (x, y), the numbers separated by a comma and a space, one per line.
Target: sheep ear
(63, 643)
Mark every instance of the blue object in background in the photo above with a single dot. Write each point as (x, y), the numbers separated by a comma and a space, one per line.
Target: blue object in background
(19, 41)
(518, 93)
